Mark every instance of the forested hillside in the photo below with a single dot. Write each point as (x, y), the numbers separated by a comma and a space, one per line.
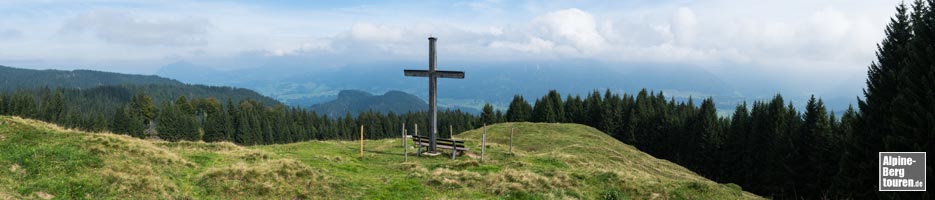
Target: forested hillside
(245, 121)
(113, 87)
(12, 79)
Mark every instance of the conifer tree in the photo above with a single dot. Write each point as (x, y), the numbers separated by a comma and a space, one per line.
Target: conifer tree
(143, 107)
(121, 121)
(707, 139)
(575, 110)
(738, 150)
(487, 115)
(519, 110)
(167, 121)
(594, 109)
(876, 109)
(813, 146)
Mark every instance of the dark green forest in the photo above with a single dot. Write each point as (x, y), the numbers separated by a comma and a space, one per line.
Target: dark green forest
(236, 119)
(766, 146)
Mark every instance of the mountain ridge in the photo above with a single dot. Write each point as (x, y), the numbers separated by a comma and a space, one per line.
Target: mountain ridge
(15, 79)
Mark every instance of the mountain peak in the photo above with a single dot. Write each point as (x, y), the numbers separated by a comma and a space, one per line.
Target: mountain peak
(356, 101)
(353, 94)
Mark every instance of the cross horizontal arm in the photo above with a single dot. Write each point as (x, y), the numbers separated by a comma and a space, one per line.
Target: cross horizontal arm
(415, 72)
(438, 73)
(450, 74)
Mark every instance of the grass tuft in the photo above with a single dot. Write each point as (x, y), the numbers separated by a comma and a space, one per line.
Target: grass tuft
(282, 178)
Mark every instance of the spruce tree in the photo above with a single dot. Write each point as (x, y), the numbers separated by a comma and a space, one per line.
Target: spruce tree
(812, 146)
(487, 115)
(167, 122)
(143, 106)
(557, 106)
(706, 138)
(738, 149)
(594, 109)
(121, 121)
(876, 109)
(216, 123)
(519, 110)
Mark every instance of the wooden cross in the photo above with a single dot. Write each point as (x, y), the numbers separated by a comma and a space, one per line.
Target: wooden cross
(433, 74)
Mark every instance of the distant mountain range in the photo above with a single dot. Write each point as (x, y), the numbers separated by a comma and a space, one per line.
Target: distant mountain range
(484, 82)
(12, 79)
(356, 101)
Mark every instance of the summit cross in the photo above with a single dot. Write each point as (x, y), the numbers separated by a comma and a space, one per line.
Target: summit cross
(433, 74)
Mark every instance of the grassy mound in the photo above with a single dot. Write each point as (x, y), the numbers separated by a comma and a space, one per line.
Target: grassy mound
(549, 161)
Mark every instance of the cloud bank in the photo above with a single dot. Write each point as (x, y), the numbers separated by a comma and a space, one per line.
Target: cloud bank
(829, 38)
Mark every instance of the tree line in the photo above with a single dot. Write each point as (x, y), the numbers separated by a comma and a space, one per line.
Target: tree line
(246, 122)
(768, 147)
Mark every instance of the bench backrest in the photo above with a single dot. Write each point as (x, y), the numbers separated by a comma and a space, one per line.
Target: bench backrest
(440, 141)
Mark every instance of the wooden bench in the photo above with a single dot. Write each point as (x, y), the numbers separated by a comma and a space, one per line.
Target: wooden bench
(454, 145)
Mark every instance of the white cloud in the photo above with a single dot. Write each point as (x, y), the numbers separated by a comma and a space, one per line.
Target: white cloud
(366, 32)
(794, 36)
(683, 25)
(9, 34)
(534, 45)
(573, 26)
(125, 28)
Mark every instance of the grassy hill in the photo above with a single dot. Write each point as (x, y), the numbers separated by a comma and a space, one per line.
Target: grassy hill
(40, 160)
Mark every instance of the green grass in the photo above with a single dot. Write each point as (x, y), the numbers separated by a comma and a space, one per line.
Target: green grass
(549, 161)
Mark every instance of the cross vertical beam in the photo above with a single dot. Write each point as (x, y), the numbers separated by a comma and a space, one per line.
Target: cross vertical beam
(432, 94)
(433, 74)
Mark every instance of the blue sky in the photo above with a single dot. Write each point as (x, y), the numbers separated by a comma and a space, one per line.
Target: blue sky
(832, 41)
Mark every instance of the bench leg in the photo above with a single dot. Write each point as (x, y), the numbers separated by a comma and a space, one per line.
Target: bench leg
(420, 150)
(454, 151)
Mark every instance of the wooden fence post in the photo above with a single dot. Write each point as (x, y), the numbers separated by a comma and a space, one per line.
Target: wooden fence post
(405, 148)
(419, 151)
(361, 141)
(454, 148)
(511, 140)
(404, 134)
(483, 143)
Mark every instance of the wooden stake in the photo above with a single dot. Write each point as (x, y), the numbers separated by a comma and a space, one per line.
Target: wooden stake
(454, 150)
(419, 143)
(483, 142)
(511, 140)
(404, 135)
(361, 141)
(405, 148)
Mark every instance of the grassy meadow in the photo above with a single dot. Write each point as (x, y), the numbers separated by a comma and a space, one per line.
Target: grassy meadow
(549, 161)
